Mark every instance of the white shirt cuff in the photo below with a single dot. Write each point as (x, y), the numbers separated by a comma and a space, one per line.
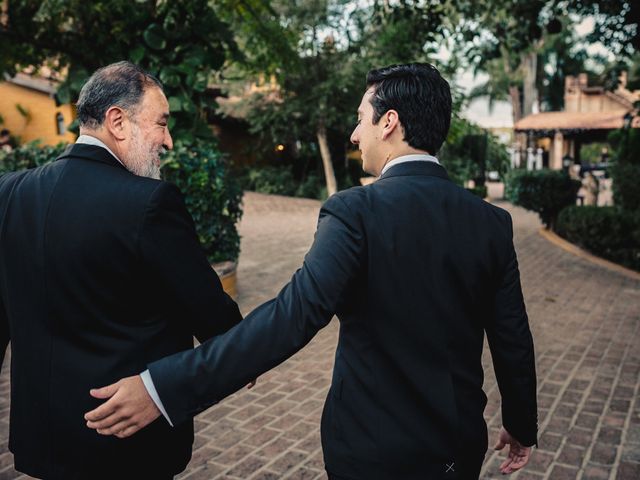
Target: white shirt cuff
(153, 393)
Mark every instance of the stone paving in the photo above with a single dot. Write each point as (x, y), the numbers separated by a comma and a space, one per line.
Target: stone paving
(585, 321)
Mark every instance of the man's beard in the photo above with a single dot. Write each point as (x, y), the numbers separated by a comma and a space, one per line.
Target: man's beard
(143, 159)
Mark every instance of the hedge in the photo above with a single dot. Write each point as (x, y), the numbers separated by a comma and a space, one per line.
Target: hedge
(608, 232)
(545, 192)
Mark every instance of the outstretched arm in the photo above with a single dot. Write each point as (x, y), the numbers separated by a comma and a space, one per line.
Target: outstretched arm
(191, 381)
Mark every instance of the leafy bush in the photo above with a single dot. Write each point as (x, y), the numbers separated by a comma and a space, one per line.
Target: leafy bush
(609, 232)
(313, 187)
(280, 180)
(545, 192)
(212, 196)
(625, 171)
(270, 180)
(470, 151)
(625, 185)
(29, 155)
(480, 191)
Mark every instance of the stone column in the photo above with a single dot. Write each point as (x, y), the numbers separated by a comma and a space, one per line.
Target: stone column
(555, 157)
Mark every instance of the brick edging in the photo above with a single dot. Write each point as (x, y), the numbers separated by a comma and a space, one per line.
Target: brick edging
(579, 252)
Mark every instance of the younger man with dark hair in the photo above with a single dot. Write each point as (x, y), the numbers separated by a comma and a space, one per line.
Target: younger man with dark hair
(417, 270)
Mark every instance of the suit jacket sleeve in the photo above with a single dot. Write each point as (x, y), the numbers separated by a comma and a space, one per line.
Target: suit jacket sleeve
(512, 351)
(191, 381)
(170, 246)
(5, 335)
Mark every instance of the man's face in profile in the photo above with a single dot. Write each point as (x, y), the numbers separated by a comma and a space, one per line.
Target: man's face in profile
(366, 135)
(150, 136)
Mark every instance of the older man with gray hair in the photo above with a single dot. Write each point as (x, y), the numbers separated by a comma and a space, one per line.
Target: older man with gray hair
(101, 273)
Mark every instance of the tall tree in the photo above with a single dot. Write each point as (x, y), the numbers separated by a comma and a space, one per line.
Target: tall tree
(180, 42)
(529, 46)
(319, 52)
(316, 70)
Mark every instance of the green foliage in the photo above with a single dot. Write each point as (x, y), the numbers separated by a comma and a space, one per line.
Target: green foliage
(609, 232)
(545, 192)
(592, 152)
(480, 191)
(270, 180)
(212, 196)
(469, 151)
(181, 43)
(616, 23)
(626, 185)
(280, 180)
(29, 155)
(561, 54)
(319, 52)
(625, 171)
(626, 144)
(313, 187)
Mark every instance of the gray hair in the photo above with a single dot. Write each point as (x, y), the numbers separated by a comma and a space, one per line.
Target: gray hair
(120, 84)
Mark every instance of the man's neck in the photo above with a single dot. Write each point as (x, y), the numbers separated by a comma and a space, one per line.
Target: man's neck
(105, 142)
(402, 151)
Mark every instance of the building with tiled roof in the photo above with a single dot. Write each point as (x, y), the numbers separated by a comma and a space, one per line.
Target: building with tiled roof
(590, 113)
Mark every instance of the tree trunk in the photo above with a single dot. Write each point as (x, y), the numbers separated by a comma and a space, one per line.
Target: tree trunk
(514, 91)
(514, 94)
(329, 174)
(529, 90)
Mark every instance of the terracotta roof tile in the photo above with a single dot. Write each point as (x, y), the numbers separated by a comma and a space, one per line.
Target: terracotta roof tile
(574, 121)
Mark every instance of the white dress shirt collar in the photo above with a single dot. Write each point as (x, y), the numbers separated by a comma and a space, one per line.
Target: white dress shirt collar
(420, 157)
(90, 140)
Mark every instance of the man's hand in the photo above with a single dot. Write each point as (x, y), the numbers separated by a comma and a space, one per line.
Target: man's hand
(518, 454)
(128, 409)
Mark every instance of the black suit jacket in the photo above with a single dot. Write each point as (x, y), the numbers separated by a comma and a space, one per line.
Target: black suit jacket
(417, 270)
(101, 272)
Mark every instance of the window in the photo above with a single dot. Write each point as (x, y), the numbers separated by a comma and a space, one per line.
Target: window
(62, 129)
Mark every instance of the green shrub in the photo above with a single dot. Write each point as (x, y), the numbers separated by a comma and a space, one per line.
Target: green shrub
(480, 191)
(608, 232)
(625, 171)
(212, 196)
(29, 155)
(280, 180)
(270, 180)
(626, 185)
(545, 192)
(312, 187)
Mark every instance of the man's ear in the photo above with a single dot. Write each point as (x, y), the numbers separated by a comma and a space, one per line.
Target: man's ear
(116, 122)
(390, 122)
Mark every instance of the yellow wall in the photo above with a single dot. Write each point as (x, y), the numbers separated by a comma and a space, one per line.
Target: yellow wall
(43, 110)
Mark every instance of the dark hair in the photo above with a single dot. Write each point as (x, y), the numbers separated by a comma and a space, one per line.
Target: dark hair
(421, 97)
(121, 84)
